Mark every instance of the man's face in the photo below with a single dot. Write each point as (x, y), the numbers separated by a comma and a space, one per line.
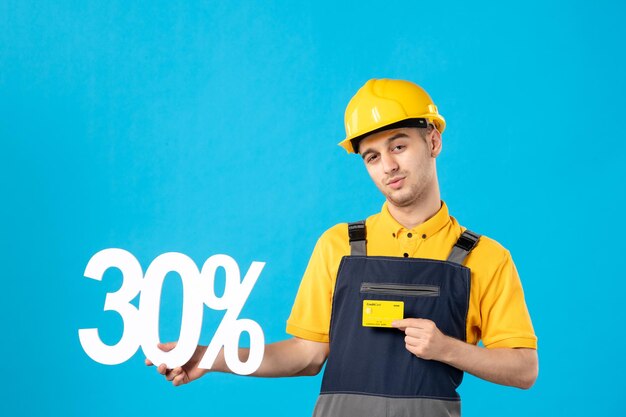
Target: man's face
(402, 163)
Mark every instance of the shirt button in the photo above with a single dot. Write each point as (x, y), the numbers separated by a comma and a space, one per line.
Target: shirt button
(409, 234)
(393, 234)
(406, 255)
(423, 236)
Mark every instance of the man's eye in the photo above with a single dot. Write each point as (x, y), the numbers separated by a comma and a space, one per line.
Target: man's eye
(398, 147)
(371, 158)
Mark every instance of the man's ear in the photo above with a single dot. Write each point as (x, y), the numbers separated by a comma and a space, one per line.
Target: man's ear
(434, 142)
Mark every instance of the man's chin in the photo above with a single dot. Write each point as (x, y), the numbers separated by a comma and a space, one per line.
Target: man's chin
(399, 200)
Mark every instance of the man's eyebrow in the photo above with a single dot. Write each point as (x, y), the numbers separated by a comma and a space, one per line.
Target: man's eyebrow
(367, 152)
(397, 136)
(388, 141)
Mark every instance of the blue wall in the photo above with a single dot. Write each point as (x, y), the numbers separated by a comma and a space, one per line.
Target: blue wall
(212, 128)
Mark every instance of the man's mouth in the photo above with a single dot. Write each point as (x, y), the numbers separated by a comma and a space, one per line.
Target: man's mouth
(396, 182)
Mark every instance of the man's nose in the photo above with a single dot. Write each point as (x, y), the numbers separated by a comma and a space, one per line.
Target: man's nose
(389, 163)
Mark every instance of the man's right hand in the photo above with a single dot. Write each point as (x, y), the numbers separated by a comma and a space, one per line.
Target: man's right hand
(291, 357)
(182, 374)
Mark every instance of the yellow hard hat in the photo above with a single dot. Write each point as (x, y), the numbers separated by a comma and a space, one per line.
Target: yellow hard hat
(388, 104)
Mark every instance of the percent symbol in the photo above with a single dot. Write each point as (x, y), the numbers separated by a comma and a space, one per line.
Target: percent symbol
(228, 333)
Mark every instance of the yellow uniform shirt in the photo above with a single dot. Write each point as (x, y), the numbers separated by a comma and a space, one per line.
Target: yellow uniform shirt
(497, 310)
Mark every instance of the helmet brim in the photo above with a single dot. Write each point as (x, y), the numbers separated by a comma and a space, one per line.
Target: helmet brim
(412, 122)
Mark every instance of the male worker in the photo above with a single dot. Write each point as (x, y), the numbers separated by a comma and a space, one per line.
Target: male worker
(397, 303)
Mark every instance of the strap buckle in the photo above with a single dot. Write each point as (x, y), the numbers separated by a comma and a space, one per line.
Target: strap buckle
(356, 231)
(467, 241)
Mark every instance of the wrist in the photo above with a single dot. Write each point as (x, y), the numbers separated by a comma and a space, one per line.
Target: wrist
(452, 350)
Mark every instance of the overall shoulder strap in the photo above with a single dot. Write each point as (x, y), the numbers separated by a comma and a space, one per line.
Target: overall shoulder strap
(356, 233)
(463, 247)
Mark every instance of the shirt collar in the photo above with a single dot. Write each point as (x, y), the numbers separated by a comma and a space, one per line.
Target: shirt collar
(424, 230)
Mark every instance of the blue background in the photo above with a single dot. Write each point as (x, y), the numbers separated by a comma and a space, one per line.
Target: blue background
(212, 128)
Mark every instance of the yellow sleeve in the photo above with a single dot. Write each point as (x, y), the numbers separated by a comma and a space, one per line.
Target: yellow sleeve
(310, 314)
(505, 318)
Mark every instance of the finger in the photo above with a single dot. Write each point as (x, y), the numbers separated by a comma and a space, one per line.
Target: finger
(399, 324)
(405, 323)
(416, 350)
(413, 341)
(417, 332)
(166, 347)
(148, 362)
(173, 373)
(179, 380)
(162, 369)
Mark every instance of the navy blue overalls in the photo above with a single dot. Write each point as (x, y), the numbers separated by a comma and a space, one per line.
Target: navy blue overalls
(369, 371)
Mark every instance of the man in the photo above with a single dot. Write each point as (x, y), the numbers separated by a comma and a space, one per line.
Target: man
(397, 303)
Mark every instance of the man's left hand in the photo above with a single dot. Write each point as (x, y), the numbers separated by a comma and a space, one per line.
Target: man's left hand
(423, 338)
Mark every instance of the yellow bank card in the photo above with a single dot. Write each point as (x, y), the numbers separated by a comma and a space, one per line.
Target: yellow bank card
(380, 313)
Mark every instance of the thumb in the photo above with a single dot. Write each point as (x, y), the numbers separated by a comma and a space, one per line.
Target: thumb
(400, 324)
(166, 347)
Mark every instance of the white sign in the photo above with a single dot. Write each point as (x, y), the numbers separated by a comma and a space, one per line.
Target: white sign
(141, 325)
